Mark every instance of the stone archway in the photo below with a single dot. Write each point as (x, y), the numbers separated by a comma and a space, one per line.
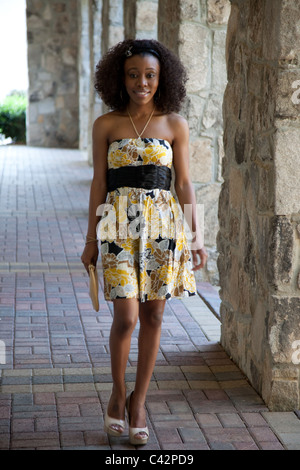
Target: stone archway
(53, 44)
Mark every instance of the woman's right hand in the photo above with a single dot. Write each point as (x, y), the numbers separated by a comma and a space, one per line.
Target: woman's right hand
(90, 255)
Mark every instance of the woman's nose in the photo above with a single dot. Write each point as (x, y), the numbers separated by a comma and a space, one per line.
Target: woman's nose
(142, 81)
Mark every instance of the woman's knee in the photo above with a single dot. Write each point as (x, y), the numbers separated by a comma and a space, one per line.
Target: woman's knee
(151, 314)
(124, 325)
(125, 318)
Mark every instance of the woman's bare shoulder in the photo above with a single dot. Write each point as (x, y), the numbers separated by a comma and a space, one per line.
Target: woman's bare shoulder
(178, 124)
(105, 119)
(104, 124)
(177, 121)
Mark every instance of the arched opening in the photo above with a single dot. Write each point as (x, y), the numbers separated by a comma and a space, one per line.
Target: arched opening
(14, 75)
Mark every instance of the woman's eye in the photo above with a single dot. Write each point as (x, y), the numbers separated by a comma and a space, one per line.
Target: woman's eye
(134, 75)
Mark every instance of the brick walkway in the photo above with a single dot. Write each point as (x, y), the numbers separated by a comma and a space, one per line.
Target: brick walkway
(55, 382)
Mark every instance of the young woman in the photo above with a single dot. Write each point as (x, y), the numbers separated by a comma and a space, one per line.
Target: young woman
(144, 250)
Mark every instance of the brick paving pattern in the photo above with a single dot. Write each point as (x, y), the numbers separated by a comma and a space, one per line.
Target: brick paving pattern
(56, 381)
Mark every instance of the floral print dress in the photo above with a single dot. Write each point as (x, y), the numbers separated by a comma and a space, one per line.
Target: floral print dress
(144, 249)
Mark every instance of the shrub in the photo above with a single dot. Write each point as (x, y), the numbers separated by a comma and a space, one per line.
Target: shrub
(13, 117)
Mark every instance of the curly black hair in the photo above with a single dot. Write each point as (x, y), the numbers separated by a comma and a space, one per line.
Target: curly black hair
(109, 75)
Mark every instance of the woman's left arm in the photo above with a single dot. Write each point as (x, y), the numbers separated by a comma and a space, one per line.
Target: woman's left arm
(185, 190)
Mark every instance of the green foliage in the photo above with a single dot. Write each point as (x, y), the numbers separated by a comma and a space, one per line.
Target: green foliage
(13, 117)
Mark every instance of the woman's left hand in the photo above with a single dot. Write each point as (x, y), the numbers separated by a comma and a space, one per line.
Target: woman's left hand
(199, 258)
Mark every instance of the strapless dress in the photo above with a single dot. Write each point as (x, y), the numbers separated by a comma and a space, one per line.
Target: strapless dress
(144, 249)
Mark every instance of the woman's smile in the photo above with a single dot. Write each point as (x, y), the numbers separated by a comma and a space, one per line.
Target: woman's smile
(141, 94)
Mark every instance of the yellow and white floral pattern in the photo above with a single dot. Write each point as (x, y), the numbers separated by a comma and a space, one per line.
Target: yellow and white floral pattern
(144, 249)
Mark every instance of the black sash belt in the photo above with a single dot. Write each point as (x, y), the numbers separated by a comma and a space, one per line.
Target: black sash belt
(142, 176)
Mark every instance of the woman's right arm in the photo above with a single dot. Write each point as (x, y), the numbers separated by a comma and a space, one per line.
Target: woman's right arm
(98, 190)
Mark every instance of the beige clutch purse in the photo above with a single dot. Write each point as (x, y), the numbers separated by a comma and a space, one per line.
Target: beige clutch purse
(94, 287)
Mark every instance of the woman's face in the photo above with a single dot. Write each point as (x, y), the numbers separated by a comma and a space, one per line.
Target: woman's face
(141, 78)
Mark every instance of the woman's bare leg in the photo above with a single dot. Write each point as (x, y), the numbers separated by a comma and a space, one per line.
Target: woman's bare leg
(124, 321)
(151, 315)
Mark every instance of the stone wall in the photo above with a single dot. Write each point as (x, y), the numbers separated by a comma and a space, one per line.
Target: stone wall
(53, 111)
(259, 210)
(146, 19)
(140, 18)
(95, 103)
(112, 23)
(196, 31)
(85, 74)
(90, 105)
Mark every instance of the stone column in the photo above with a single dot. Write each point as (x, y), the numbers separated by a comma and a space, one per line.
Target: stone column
(129, 18)
(146, 19)
(112, 23)
(196, 31)
(95, 104)
(52, 31)
(140, 19)
(112, 27)
(106, 28)
(259, 211)
(84, 69)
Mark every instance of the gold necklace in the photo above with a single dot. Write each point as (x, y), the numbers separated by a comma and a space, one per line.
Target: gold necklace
(133, 125)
